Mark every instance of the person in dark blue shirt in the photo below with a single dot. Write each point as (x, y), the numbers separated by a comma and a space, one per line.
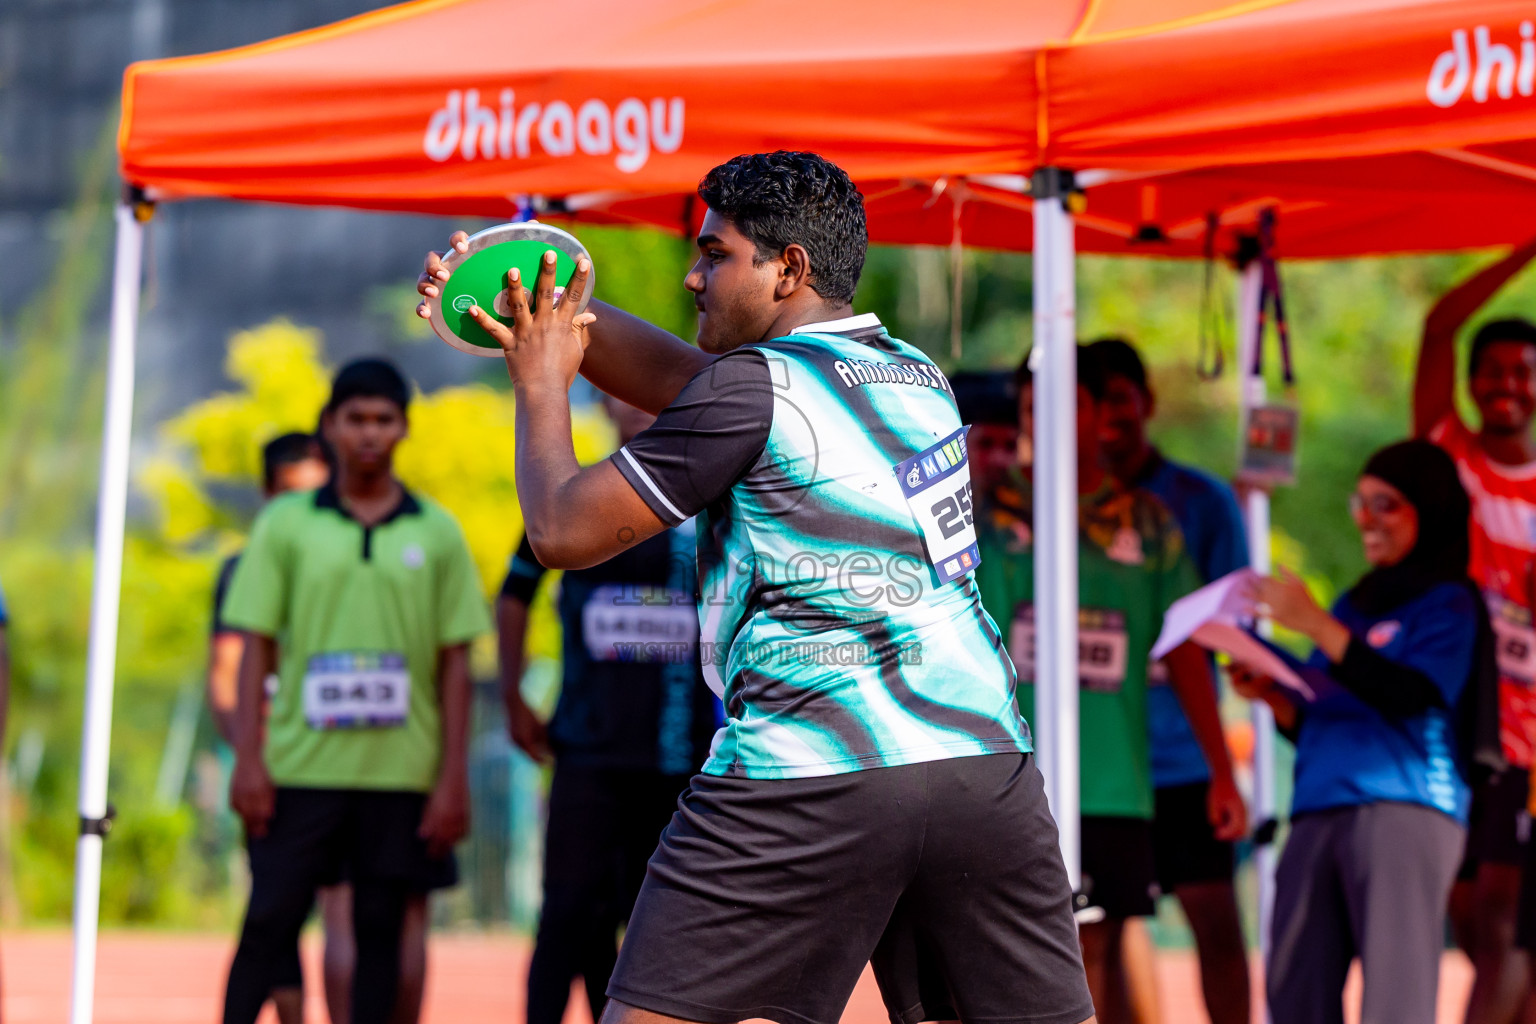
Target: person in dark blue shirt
(633, 722)
(1382, 750)
(1192, 863)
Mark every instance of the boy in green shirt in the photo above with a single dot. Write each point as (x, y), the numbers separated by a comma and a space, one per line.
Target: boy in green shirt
(1131, 567)
(363, 598)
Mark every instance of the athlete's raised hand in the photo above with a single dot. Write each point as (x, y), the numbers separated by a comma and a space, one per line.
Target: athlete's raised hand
(545, 343)
(430, 283)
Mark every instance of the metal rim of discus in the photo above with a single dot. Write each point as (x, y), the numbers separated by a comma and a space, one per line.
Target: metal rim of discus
(530, 230)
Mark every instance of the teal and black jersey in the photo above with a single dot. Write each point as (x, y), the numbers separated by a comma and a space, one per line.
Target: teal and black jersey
(824, 625)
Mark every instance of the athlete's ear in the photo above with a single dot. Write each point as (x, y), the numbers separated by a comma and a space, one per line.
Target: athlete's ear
(796, 272)
(327, 420)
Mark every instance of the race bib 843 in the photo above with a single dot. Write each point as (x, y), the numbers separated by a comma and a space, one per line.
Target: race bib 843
(357, 690)
(937, 485)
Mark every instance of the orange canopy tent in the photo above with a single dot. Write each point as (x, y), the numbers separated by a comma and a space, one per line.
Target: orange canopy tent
(1169, 109)
(1369, 125)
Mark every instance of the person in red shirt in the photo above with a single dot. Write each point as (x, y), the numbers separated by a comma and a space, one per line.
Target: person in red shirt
(1497, 465)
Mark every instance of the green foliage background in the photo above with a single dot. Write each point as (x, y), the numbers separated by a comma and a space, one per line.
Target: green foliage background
(1355, 325)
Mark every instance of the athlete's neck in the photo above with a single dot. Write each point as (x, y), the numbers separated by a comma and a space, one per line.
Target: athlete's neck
(801, 313)
(367, 496)
(1512, 449)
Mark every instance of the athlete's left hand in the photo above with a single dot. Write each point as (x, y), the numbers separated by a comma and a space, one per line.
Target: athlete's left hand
(445, 820)
(545, 344)
(1225, 808)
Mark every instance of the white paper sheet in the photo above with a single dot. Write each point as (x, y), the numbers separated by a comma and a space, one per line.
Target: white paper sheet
(1214, 617)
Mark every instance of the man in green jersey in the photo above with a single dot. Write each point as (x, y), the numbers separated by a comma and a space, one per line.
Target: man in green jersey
(363, 598)
(872, 797)
(1131, 566)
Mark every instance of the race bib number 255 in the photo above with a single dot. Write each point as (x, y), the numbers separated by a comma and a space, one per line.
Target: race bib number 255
(937, 485)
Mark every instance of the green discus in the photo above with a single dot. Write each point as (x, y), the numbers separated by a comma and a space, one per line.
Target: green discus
(479, 278)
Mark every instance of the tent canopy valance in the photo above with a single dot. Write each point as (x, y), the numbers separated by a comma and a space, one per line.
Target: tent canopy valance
(1168, 111)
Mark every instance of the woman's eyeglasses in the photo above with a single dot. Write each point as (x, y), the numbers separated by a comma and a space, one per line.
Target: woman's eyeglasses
(1376, 504)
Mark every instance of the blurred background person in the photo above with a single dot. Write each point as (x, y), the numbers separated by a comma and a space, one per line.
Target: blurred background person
(989, 404)
(360, 772)
(1131, 566)
(1192, 863)
(292, 462)
(633, 722)
(1498, 467)
(1381, 798)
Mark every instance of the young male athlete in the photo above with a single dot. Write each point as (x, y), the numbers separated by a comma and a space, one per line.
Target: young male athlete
(871, 796)
(1131, 566)
(632, 724)
(1497, 463)
(363, 598)
(1192, 863)
(291, 462)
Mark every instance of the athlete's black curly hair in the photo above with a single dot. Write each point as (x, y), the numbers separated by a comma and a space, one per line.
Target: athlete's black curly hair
(784, 198)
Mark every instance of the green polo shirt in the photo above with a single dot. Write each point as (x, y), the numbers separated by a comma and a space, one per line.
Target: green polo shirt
(360, 614)
(1132, 565)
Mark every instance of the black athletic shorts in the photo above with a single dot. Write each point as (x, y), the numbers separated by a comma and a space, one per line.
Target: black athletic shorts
(1119, 868)
(767, 897)
(341, 834)
(1183, 841)
(439, 873)
(1500, 824)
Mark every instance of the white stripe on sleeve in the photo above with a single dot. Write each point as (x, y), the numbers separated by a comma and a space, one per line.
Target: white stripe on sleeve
(645, 478)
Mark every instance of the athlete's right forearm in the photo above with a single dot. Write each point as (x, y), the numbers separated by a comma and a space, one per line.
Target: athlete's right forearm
(638, 362)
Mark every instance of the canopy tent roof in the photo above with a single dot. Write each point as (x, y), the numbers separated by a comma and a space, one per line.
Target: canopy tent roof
(1420, 107)
(1325, 209)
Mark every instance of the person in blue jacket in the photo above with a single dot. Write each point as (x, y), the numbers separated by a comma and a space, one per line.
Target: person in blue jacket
(1378, 820)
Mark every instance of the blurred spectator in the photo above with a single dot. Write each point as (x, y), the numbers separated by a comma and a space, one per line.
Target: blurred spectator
(359, 772)
(1131, 566)
(989, 405)
(1381, 799)
(633, 723)
(1498, 467)
(1192, 863)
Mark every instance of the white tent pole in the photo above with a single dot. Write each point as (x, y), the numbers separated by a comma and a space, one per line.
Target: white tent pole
(106, 587)
(1055, 526)
(1256, 516)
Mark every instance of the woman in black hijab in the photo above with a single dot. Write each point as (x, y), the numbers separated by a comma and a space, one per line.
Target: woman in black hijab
(1402, 677)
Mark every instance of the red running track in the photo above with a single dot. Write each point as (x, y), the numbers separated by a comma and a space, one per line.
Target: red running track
(156, 978)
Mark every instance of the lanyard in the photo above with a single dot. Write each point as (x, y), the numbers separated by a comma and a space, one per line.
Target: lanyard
(1271, 297)
(1211, 358)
